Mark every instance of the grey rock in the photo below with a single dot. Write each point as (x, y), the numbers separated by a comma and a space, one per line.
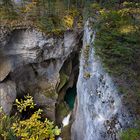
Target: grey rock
(4, 36)
(35, 62)
(5, 68)
(23, 48)
(25, 79)
(47, 102)
(7, 96)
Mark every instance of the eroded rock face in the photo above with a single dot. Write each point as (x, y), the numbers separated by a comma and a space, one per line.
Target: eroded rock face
(30, 46)
(7, 95)
(35, 63)
(4, 36)
(5, 68)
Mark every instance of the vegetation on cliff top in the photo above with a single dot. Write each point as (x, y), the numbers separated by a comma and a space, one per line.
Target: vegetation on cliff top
(48, 16)
(118, 45)
(117, 42)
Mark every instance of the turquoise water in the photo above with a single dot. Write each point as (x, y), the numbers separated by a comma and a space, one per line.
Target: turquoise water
(70, 97)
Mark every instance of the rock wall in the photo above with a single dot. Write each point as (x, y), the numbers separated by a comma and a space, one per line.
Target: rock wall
(30, 62)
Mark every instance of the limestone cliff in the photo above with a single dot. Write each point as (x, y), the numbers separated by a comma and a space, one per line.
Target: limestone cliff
(30, 62)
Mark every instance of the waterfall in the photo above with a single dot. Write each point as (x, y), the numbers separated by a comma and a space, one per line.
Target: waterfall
(66, 120)
(100, 113)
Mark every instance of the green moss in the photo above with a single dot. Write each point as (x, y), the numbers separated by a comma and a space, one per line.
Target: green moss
(131, 134)
(66, 133)
(51, 94)
(63, 80)
(118, 45)
(63, 110)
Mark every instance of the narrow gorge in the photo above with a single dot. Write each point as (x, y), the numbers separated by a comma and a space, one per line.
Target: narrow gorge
(48, 69)
(69, 70)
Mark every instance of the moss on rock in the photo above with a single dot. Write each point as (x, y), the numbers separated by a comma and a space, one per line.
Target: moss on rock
(62, 111)
(66, 132)
(63, 80)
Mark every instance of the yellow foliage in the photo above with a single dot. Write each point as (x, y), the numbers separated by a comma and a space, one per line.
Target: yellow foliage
(29, 7)
(68, 21)
(35, 129)
(127, 29)
(23, 104)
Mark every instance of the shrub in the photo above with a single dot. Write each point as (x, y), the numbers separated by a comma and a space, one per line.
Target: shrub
(33, 128)
(23, 104)
(6, 133)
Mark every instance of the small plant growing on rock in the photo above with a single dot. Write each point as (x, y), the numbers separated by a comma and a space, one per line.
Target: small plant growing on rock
(87, 75)
(86, 52)
(23, 104)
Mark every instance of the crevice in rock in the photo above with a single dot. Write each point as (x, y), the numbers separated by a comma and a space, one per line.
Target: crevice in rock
(70, 97)
(43, 67)
(67, 92)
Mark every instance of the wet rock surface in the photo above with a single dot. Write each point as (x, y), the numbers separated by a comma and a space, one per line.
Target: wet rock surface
(99, 113)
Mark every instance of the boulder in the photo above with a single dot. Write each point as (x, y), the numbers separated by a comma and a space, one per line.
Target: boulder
(5, 68)
(7, 96)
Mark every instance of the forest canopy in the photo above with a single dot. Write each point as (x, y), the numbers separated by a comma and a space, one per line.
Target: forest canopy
(47, 15)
